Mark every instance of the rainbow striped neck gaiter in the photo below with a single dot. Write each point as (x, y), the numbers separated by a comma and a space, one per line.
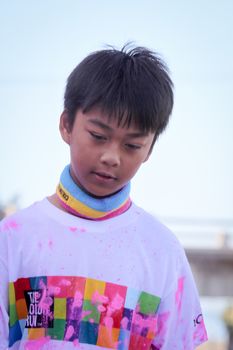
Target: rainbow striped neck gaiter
(77, 202)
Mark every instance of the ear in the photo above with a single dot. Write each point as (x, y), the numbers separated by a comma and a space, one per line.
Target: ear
(64, 127)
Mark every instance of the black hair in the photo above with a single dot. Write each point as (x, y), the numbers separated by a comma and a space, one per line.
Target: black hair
(131, 85)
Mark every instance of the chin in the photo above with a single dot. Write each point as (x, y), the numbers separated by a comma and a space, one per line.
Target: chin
(96, 193)
(101, 194)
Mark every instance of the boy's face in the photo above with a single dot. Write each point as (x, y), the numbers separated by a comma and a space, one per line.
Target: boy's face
(104, 156)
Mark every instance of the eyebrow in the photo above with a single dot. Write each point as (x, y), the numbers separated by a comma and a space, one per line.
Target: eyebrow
(106, 127)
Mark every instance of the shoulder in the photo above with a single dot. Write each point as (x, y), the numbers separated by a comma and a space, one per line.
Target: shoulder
(162, 250)
(27, 215)
(154, 229)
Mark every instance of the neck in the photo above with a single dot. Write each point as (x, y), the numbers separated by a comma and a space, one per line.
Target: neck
(71, 198)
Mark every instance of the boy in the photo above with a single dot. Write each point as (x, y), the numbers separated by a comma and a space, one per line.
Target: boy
(86, 268)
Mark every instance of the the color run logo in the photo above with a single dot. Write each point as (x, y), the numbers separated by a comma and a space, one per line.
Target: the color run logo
(38, 315)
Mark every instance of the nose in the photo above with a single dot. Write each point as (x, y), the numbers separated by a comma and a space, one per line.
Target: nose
(110, 156)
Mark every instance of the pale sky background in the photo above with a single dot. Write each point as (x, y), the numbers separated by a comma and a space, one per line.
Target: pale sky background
(190, 173)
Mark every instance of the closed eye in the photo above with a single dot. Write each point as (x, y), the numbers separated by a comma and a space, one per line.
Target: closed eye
(98, 137)
(132, 146)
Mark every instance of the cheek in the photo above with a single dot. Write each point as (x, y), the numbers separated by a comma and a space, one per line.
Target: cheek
(82, 158)
(133, 166)
(78, 151)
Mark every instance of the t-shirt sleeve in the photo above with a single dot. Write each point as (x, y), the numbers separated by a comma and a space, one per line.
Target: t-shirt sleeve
(180, 323)
(4, 280)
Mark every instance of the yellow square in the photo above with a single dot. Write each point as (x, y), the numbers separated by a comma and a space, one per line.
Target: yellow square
(21, 309)
(11, 293)
(60, 308)
(92, 286)
(36, 333)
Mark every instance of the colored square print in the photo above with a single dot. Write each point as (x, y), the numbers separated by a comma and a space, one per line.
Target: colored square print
(88, 333)
(148, 303)
(108, 337)
(21, 285)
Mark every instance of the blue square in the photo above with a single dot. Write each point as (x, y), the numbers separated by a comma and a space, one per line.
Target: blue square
(132, 298)
(35, 282)
(15, 334)
(127, 318)
(24, 330)
(123, 340)
(88, 333)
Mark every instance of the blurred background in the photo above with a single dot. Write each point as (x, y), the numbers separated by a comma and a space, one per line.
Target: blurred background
(188, 181)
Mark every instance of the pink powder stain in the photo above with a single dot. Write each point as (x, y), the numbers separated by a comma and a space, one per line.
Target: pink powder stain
(98, 298)
(50, 244)
(85, 313)
(54, 290)
(137, 309)
(150, 322)
(117, 302)
(76, 343)
(46, 301)
(124, 322)
(101, 308)
(115, 345)
(78, 299)
(75, 229)
(179, 293)
(69, 332)
(138, 321)
(162, 324)
(91, 320)
(36, 344)
(108, 321)
(45, 304)
(65, 282)
(10, 224)
(200, 332)
(42, 304)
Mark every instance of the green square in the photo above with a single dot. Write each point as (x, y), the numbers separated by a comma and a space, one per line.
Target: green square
(58, 330)
(60, 308)
(148, 303)
(95, 314)
(13, 315)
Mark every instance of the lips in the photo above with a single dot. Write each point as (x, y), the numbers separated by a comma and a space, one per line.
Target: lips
(104, 175)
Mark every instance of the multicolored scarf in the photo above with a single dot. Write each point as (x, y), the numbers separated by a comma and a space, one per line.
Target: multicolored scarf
(79, 203)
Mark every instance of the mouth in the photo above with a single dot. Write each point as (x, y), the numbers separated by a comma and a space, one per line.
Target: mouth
(104, 175)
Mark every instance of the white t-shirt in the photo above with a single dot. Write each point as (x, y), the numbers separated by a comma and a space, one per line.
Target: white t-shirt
(122, 283)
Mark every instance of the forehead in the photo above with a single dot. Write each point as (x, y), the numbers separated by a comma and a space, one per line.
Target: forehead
(110, 122)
